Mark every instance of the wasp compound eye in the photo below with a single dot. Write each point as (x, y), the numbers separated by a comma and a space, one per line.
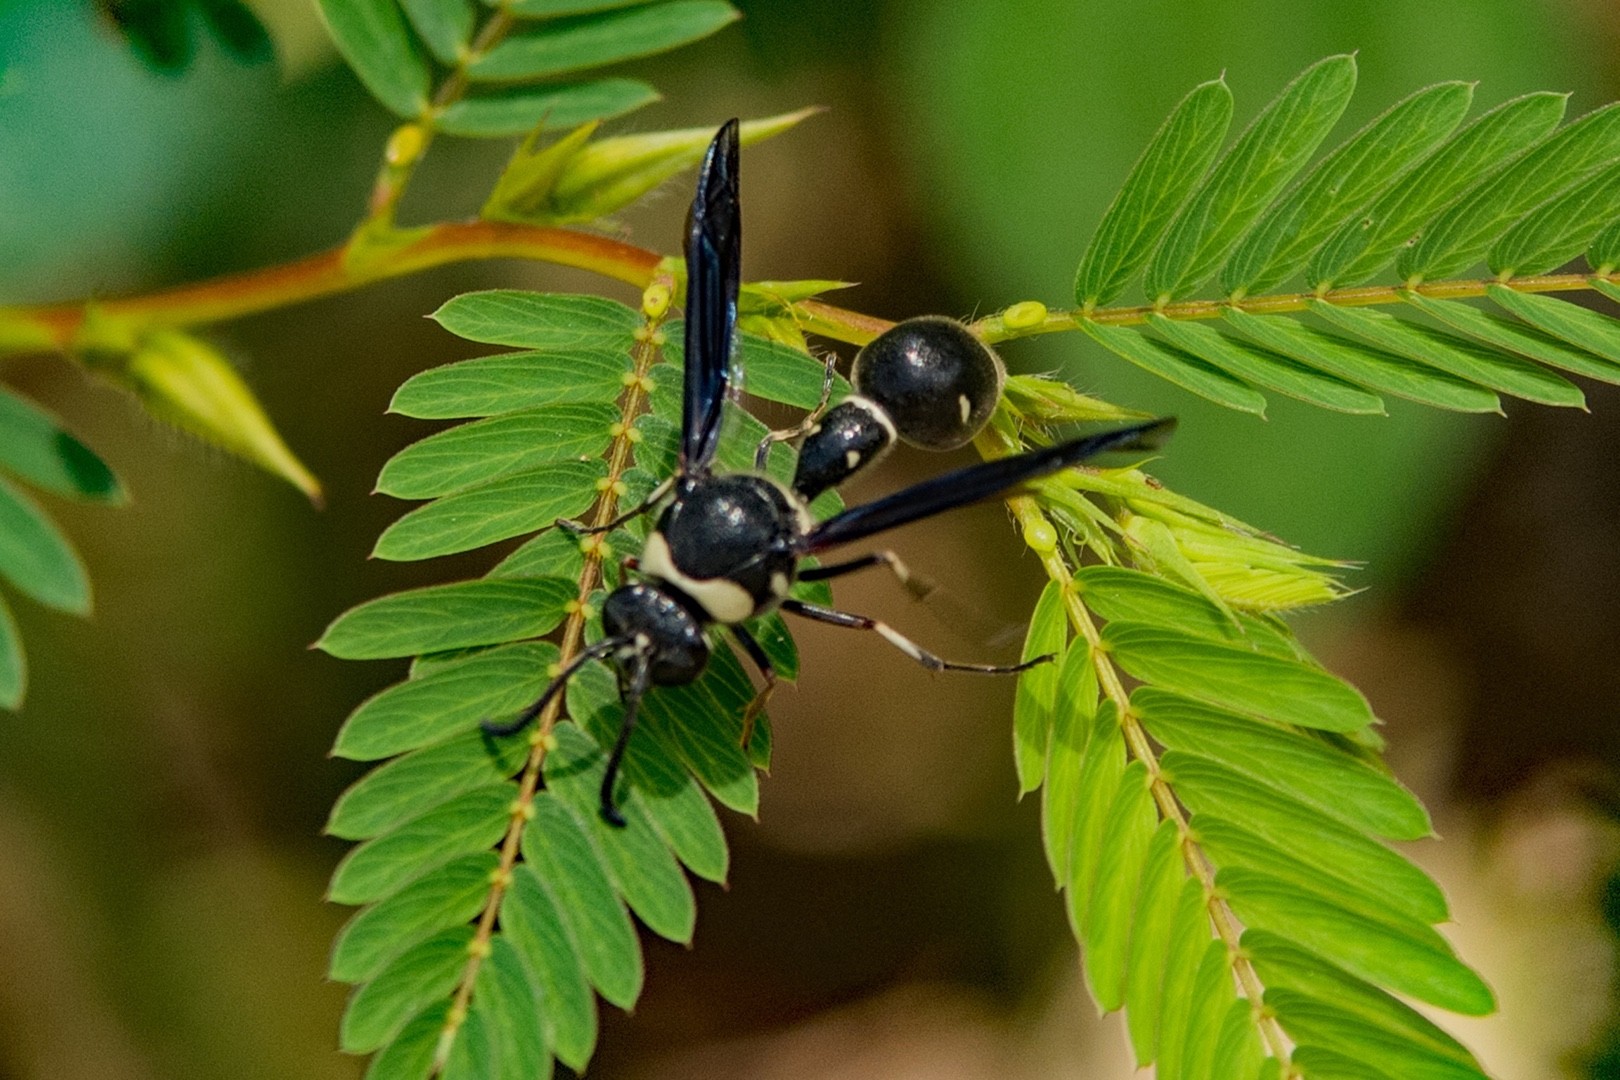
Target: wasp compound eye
(935, 380)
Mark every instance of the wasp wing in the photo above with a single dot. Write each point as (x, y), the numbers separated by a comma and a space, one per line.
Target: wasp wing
(974, 483)
(713, 272)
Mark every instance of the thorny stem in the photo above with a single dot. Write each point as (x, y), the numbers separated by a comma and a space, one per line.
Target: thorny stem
(644, 354)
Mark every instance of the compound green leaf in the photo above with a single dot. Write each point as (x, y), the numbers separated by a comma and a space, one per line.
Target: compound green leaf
(1240, 187)
(1341, 183)
(1157, 187)
(412, 981)
(495, 510)
(538, 929)
(1580, 327)
(562, 853)
(1074, 711)
(1267, 687)
(1605, 249)
(1117, 593)
(505, 995)
(485, 449)
(410, 1055)
(450, 895)
(1127, 829)
(1101, 774)
(36, 557)
(475, 1054)
(396, 791)
(1183, 369)
(1515, 336)
(517, 110)
(1190, 942)
(546, 321)
(13, 664)
(1164, 879)
(554, 553)
(373, 38)
(445, 26)
(585, 41)
(490, 385)
(1321, 1024)
(463, 826)
(1212, 998)
(443, 617)
(550, 9)
(1363, 365)
(448, 701)
(1558, 230)
(1237, 1049)
(1463, 234)
(1036, 699)
(1265, 368)
(1369, 241)
(1460, 357)
(1318, 1064)
(35, 447)
(777, 372)
(706, 737)
(1403, 955)
(1304, 768)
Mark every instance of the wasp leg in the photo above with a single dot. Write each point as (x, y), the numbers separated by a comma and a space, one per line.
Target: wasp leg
(524, 718)
(803, 426)
(919, 587)
(927, 659)
(579, 528)
(633, 693)
(766, 669)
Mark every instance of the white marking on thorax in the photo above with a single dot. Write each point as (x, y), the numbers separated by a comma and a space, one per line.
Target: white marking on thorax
(725, 601)
(875, 411)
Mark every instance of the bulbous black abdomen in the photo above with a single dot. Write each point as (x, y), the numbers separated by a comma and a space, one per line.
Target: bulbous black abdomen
(937, 382)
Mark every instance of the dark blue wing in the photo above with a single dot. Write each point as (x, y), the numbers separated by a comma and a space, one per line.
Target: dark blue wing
(975, 482)
(713, 271)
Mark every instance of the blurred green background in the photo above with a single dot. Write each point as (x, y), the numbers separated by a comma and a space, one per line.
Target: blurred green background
(162, 794)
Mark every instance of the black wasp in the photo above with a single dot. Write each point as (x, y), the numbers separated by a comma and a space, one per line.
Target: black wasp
(728, 548)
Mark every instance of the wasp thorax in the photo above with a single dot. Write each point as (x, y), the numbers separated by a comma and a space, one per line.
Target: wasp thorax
(935, 380)
(727, 543)
(660, 627)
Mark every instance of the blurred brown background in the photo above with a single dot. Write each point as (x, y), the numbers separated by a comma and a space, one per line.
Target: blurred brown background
(162, 794)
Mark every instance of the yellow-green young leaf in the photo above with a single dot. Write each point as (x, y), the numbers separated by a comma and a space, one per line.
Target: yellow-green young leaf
(445, 26)
(1127, 828)
(1181, 368)
(448, 896)
(1403, 955)
(777, 372)
(1558, 230)
(560, 851)
(1305, 768)
(185, 382)
(538, 929)
(546, 321)
(36, 448)
(495, 510)
(1342, 183)
(463, 826)
(1157, 187)
(1284, 966)
(523, 191)
(1462, 358)
(410, 1055)
(469, 454)
(1190, 941)
(398, 790)
(409, 984)
(1463, 234)
(521, 380)
(674, 803)
(586, 41)
(1037, 688)
(35, 556)
(1050, 401)
(1572, 323)
(442, 617)
(1515, 336)
(1164, 879)
(1316, 1063)
(1265, 368)
(641, 868)
(1100, 775)
(13, 664)
(447, 701)
(1363, 365)
(515, 110)
(506, 995)
(1073, 712)
(1119, 593)
(1368, 241)
(1265, 157)
(1270, 1069)
(473, 1054)
(607, 175)
(1267, 687)
(373, 38)
(1212, 998)
(1237, 1049)
(1323, 1025)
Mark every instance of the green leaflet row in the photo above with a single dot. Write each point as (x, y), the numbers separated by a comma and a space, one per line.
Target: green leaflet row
(1288, 818)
